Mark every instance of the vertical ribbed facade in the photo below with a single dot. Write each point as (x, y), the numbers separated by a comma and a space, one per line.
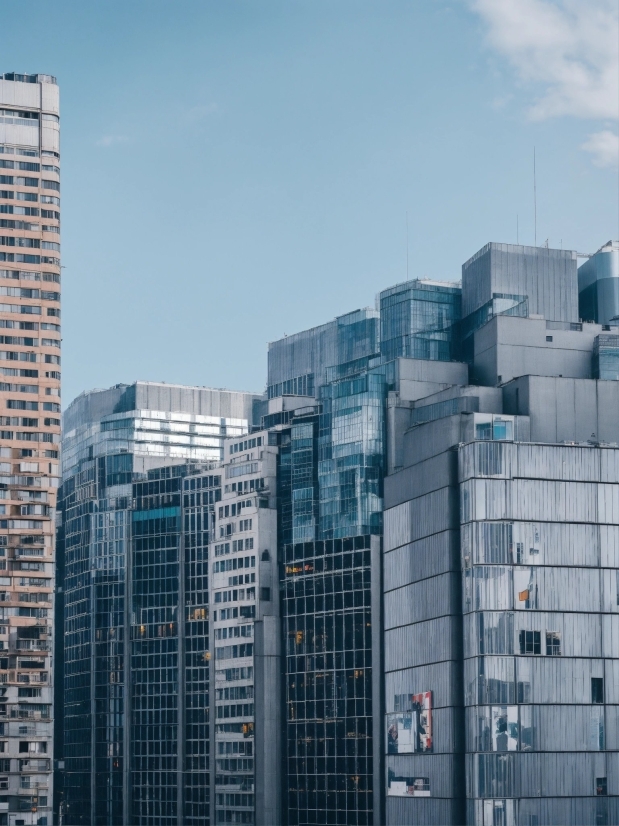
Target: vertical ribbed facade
(547, 277)
(29, 437)
(540, 564)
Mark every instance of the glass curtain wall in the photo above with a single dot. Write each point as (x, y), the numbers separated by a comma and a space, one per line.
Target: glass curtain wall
(95, 544)
(169, 644)
(155, 688)
(417, 320)
(327, 626)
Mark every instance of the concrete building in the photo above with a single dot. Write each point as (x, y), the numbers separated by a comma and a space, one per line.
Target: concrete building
(500, 572)
(29, 438)
(137, 509)
(546, 278)
(246, 649)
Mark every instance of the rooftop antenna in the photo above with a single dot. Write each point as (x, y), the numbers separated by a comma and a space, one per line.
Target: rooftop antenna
(407, 245)
(534, 197)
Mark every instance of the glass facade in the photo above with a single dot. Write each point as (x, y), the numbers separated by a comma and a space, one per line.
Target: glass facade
(606, 357)
(135, 603)
(351, 448)
(327, 630)
(598, 286)
(418, 320)
(298, 363)
(169, 697)
(330, 470)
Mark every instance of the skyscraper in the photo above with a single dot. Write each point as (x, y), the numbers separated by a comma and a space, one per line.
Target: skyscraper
(30, 435)
(501, 568)
(127, 573)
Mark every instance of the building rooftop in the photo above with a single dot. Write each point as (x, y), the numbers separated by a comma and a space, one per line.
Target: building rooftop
(24, 78)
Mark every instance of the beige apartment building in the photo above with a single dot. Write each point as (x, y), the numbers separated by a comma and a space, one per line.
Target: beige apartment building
(29, 438)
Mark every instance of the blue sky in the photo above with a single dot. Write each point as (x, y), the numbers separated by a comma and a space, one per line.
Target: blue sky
(236, 171)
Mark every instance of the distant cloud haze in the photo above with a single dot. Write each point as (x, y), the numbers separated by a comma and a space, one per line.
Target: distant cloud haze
(569, 50)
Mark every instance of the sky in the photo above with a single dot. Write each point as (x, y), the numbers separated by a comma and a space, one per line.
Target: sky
(236, 171)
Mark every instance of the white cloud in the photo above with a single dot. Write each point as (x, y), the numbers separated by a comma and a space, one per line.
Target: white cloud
(111, 140)
(604, 147)
(565, 49)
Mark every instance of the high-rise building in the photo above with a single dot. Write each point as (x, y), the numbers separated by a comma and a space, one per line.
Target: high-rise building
(135, 599)
(29, 437)
(501, 573)
(246, 662)
(169, 697)
(333, 454)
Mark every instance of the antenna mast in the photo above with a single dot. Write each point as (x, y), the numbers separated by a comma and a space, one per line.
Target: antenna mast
(534, 197)
(407, 245)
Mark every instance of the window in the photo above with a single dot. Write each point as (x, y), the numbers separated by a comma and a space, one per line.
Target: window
(601, 786)
(265, 556)
(9, 224)
(265, 594)
(20, 404)
(597, 689)
(553, 644)
(9, 209)
(548, 338)
(530, 642)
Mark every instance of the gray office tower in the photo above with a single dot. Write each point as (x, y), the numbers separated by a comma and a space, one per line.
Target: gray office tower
(501, 564)
(136, 508)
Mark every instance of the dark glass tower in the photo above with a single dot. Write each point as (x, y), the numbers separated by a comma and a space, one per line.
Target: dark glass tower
(329, 502)
(127, 598)
(169, 697)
